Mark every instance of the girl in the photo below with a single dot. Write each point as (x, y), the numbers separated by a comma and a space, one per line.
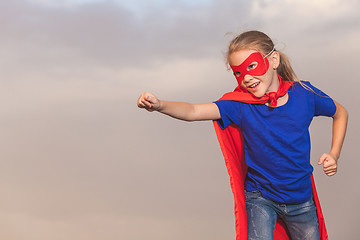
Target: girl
(264, 123)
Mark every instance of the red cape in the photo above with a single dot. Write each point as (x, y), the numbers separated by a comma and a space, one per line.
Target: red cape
(231, 143)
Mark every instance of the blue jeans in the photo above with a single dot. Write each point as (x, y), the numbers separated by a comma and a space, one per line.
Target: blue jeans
(300, 219)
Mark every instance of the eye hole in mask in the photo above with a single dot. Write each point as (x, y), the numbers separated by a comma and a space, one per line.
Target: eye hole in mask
(252, 66)
(255, 65)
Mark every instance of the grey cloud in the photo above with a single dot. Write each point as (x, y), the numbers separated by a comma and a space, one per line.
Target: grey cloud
(79, 158)
(107, 34)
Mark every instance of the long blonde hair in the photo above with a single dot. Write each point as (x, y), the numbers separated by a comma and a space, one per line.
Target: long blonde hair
(259, 41)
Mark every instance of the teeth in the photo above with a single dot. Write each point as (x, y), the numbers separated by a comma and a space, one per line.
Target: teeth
(254, 85)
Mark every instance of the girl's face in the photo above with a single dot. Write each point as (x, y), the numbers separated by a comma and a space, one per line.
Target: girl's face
(254, 72)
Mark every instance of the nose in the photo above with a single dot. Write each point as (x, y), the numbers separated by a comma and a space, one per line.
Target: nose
(247, 78)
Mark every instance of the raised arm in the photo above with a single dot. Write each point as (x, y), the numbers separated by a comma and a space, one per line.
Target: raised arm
(330, 159)
(179, 110)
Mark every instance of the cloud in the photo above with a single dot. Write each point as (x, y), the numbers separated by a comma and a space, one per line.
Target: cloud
(107, 35)
(79, 158)
(318, 21)
(63, 4)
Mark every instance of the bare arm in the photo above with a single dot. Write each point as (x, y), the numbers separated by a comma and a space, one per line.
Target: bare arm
(179, 110)
(330, 159)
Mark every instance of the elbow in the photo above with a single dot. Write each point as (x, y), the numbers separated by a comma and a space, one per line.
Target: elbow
(341, 112)
(189, 117)
(344, 113)
(188, 120)
(192, 114)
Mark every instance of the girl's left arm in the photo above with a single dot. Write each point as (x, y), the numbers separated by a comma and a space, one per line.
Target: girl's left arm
(330, 159)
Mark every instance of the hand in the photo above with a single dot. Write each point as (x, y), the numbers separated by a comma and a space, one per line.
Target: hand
(148, 101)
(329, 164)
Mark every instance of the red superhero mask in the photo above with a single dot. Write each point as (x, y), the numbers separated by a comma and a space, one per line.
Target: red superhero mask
(255, 65)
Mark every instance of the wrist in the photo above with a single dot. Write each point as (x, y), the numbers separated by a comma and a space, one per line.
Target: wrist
(160, 106)
(335, 155)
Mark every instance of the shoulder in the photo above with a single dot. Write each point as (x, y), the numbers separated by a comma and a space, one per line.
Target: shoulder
(230, 112)
(227, 104)
(302, 85)
(313, 89)
(232, 107)
(306, 87)
(322, 103)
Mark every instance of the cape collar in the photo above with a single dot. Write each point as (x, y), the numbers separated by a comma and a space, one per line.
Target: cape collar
(242, 95)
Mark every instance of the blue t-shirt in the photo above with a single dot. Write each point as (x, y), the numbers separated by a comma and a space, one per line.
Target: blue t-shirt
(277, 142)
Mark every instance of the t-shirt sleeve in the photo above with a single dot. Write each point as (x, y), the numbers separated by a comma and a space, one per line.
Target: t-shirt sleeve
(229, 112)
(324, 105)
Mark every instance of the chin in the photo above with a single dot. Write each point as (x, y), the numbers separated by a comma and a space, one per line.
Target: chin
(258, 94)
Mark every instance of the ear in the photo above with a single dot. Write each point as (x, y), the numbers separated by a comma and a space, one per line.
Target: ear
(274, 60)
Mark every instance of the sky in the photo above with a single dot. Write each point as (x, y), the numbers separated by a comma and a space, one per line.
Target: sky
(79, 160)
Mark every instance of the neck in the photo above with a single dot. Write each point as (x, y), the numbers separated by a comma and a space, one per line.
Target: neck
(274, 86)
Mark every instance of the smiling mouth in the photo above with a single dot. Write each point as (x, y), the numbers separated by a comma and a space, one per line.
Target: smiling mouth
(254, 85)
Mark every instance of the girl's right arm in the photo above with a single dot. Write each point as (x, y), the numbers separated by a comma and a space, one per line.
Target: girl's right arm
(179, 110)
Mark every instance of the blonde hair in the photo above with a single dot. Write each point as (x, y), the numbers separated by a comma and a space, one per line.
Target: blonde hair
(259, 41)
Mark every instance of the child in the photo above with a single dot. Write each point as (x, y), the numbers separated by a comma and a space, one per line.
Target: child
(265, 121)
